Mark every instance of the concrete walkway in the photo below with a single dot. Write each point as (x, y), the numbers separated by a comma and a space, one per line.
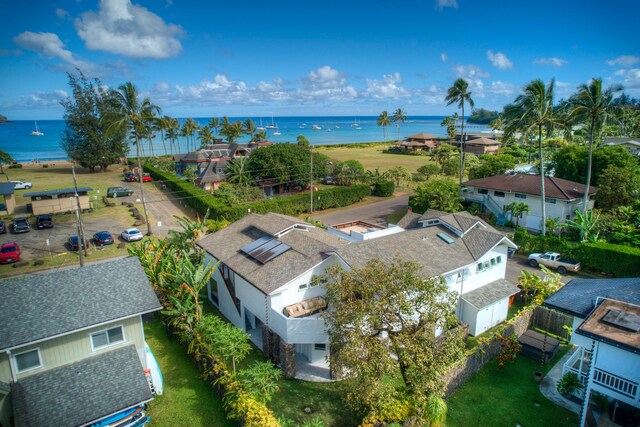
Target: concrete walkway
(548, 385)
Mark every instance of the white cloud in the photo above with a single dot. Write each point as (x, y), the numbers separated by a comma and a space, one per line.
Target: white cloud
(123, 28)
(441, 4)
(470, 72)
(502, 88)
(37, 100)
(624, 61)
(388, 87)
(553, 61)
(444, 57)
(50, 45)
(499, 60)
(434, 95)
(62, 14)
(325, 77)
(630, 78)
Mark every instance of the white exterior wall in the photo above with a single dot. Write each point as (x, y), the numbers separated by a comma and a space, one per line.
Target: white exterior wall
(618, 361)
(576, 339)
(487, 317)
(478, 279)
(356, 236)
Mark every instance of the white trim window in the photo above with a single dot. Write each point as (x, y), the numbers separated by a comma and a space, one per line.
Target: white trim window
(107, 337)
(302, 287)
(27, 360)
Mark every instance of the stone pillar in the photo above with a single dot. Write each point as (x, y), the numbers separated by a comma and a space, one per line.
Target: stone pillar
(288, 359)
(271, 344)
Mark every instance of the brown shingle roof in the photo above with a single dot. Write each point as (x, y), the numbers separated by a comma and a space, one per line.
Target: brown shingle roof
(530, 184)
(482, 141)
(422, 135)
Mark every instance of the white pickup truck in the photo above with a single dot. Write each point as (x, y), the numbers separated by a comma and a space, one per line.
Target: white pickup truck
(19, 185)
(555, 261)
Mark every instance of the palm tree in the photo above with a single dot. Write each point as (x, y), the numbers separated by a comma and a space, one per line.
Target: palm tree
(592, 104)
(530, 112)
(162, 125)
(189, 128)
(173, 131)
(249, 127)
(399, 116)
(205, 136)
(230, 130)
(128, 112)
(214, 124)
(151, 124)
(384, 120)
(458, 94)
(238, 172)
(259, 136)
(517, 209)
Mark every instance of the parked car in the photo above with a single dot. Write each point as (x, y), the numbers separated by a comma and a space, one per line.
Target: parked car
(131, 234)
(102, 238)
(73, 243)
(3, 228)
(44, 221)
(119, 191)
(9, 252)
(555, 261)
(19, 185)
(146, 177)
(20, 225)
(130, 177)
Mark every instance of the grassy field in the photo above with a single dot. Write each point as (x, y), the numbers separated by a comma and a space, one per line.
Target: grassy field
(187, 401)
(372, 157)
(507, 397)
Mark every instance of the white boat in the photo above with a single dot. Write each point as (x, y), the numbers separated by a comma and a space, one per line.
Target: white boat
(260, 128)
(277, 133)
(316, 127)
(37, 131)
(153, 370)
(272, 125)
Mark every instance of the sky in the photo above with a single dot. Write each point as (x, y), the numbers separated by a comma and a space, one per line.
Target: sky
(304, 58)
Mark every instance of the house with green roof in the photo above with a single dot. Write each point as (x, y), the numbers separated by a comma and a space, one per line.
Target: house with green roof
(72, 349)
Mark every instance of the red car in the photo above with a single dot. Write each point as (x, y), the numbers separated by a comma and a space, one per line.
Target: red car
(146, 177)
(9, 252)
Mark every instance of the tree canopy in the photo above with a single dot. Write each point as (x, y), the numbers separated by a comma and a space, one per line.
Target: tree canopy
(570, 162)
(482, 116)
(286, 163)
(440, 194)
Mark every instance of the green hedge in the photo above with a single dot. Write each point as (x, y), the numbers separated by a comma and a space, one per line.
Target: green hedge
(200, 200)
(618, 260)
(384, 188)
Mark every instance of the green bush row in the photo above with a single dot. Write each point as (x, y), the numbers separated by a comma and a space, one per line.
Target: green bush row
(384, 188)
(618, 260)
(295, 205)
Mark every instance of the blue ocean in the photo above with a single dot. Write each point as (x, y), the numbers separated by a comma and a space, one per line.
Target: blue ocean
(16, 138)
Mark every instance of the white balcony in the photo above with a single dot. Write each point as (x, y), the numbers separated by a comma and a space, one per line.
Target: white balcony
(304, 330)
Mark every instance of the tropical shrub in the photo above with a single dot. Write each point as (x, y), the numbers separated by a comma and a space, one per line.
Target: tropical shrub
(384, 188)
(568, 384)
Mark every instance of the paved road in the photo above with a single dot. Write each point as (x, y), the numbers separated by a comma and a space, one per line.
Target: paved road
(375, 213)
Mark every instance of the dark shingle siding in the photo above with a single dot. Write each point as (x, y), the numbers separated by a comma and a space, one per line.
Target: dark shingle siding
(81, 392)
(38, 306)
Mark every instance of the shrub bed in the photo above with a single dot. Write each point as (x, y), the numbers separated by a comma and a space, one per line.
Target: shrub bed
(200, 200)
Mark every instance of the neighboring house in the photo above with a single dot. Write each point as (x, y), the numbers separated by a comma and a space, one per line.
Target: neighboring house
(494, 193)
(606, 329)
(54, 201)
(7, 192)
(480, 146)
(630, 144)
(211, 161)
(72, 347)
(266, 282)
(418, 142)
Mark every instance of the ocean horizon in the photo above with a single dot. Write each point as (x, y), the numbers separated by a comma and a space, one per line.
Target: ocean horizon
(16, 138)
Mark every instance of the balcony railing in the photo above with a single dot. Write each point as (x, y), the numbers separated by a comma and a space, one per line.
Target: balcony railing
(578, 363)
(305, 330)
(618, 384)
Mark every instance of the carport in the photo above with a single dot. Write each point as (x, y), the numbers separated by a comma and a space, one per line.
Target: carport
(54, 201)
(6, 191)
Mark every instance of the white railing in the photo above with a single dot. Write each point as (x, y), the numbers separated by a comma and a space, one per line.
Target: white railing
(305, 330)
(578, 363)
(618, 384)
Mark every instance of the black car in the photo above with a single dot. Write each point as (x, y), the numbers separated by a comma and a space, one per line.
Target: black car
(3, 229)
(73, 243)
(44, 221)
(102, 238)
(21, 225)
(118, 191)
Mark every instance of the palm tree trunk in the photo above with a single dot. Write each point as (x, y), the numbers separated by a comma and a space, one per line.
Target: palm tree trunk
(151, 145)
(462, 145)
(163, 143)
(586, 189)
(542, 196)
(144, 205)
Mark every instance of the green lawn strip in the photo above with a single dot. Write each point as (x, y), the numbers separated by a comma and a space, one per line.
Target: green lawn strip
(507, 397)
(187, 399)
(396, 216)
(372, 157)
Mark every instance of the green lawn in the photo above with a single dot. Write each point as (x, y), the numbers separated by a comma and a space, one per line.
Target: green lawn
(507, 397)
(187, 401)
(372, 157)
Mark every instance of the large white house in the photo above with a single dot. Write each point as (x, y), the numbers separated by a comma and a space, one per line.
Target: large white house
(264, 282)
(606, 331)
(494, 193)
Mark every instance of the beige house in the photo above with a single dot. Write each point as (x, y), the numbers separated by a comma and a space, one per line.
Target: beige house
(418, 142)
(480, 146)
(72, 347)
(7, 191)
(632, 145)
(54, 201)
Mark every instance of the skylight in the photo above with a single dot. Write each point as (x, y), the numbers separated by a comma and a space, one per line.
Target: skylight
(622, 320)
(445, 237)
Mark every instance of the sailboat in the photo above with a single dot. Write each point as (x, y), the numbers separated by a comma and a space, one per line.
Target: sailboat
(272, 125)
(260, 128)
(36, 132)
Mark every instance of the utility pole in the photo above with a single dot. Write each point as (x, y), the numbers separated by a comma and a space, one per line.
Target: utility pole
(81, 244)
(144, 206)
(311, 178)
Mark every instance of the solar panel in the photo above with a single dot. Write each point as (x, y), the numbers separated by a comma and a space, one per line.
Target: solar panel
(253, 245)
(623, 320)
(273, 253)
(263, 248)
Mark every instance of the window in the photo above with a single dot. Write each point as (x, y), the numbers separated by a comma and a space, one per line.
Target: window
(498, 193)
(320, 347)
(499, 259)
(520, 196)
(107, 337)
(483, 191)
(493, 262)
(302, 287)
(480, 267)
(28, 360)
(550, 200)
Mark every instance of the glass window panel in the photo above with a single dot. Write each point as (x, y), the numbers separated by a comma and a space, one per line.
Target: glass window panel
(115, 335)
(100, 339)
(27, 360)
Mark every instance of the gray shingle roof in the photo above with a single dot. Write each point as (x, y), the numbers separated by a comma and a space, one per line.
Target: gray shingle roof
(409, 220)
(39, 306)
(54, 192)
(578, 297)
(307, 249)
(78, 393)
(490, 293)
